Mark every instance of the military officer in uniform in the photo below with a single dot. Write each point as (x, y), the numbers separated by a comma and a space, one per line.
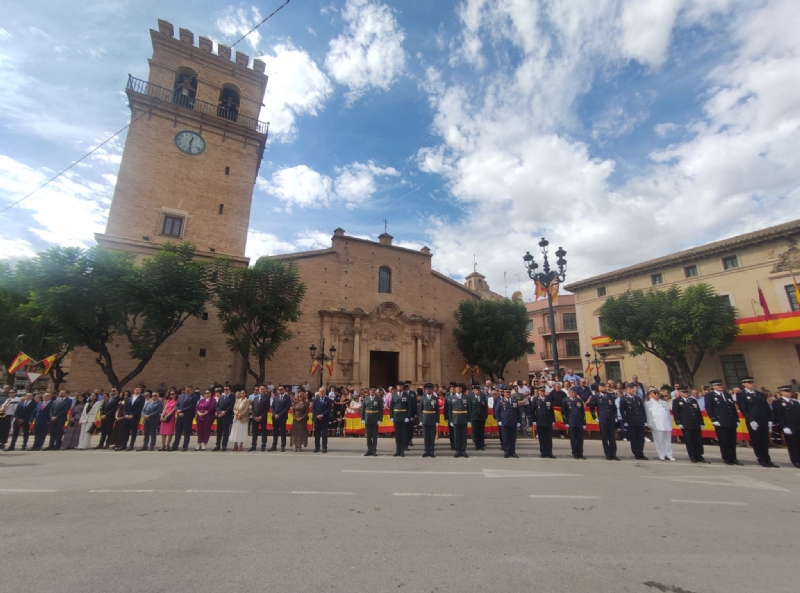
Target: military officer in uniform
(631, 408)
(459, 418)
(429, 419)
(543, 416)
(573, 412)
(509, 418)
(478, 412)
(787, 414)
(447, 400)
(372, 416)
(686, 413)
(412, 398)
(603, 406)
(757, 412)
(401, 413)
(721, 410)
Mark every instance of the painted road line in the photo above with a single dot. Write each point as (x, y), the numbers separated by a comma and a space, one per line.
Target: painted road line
(218, 491)
(565, 496)
(119, 491)
(423, 494)
(327, 493)
(678, 500)
(22, 491)
(409, 472)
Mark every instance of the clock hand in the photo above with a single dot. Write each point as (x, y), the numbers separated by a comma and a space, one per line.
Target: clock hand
(190, 144)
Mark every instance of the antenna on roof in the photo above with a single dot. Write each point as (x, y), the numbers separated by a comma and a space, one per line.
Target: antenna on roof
(474, 263)
(385, 226)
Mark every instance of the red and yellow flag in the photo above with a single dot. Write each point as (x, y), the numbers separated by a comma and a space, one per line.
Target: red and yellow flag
(588, 370)
(48, 362)
(20, 361)
(796, 290)
(476, 370)
(763, 301)
(329, 366)
(465, 370)
(314, 367)
(554, 292)
(540, 291)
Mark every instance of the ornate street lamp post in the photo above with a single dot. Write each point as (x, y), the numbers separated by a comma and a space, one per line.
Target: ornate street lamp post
(548, 278)
(322, 358)
(595, 362)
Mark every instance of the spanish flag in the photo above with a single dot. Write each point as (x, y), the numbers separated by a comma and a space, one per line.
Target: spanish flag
(796, 290)
(329, 366)
(465, 370)
(476, 370)
(588, 370)
(20, 361)
(48, 363)
(314, 367)
(763, 301)
(554, 292)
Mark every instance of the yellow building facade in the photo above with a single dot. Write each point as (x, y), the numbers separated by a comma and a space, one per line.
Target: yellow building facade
(768, 349)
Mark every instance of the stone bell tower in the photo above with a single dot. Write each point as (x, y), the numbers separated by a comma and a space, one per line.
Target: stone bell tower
(193, 149)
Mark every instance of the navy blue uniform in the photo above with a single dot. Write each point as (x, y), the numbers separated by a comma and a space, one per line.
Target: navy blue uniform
(322, 411)
(787, 413)
(508, 415)
(543, 414)
(573, 411)
(755, 408)
(722, 410)
(631, 408)
(603, 407)
(686, 413)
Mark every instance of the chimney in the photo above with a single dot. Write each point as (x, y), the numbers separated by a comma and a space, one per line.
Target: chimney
(186, 36)
(206, 44)
(338, 232)
(166, 28)
(385, 239)
(242, 59)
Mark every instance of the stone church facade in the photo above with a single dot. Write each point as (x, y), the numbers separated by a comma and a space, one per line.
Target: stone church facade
(188, 169)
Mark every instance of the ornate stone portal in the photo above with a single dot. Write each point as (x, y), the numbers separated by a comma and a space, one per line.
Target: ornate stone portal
(356, 334)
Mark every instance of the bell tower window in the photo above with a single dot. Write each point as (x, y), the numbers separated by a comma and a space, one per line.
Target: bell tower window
(229, 101)
(385, 280)
(185, 90)
(173, 226)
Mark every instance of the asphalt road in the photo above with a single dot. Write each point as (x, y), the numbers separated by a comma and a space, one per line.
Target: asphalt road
(214, 522)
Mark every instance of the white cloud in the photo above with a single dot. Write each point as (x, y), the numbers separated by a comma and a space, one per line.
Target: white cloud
(15, 249)
(622, 116)
(306, 188)
(234, 23)
(296, 87)
(259, 243)
(370, 54)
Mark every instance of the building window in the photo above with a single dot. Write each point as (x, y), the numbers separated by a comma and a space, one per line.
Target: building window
(221, 208)
(529, 326)
(202, 352)
(656, 279)
(734, 368)
(613, 370)
(601, 291)
(480, 283)
(600, 326)
(173, 226)
(185, 89)
(384, 280)
(725, 298)
(729, 263)
(792, 295)
(227, 170)
(570, 322)
(205, 316)
(229, 101)
(690, 271)
(573, 348)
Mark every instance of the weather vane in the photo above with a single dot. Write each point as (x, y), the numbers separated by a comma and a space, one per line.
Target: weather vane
(474, 263)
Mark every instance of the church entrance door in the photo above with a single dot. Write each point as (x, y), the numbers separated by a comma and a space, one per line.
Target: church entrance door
(384, 368)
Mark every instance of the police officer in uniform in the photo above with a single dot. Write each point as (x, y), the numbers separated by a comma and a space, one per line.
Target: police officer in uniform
(787, 414)
(509, 418)
(603, 406)
(721, 410)
(573, 412)
(372, 416)
(478, 412)
(631, 408)
(429, 419)
(686, 413)
(757, 412)
(543, 416)
(448, 398)
(459, 418)
(401, 413)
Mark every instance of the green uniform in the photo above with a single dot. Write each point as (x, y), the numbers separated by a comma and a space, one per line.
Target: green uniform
(371, 416)
(459, 417)
(478, 412)
(401, 410)
(429, 419)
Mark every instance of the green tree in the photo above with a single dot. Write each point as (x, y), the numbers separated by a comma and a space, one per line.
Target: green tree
(678, 326)
(492, 333)
(255, 306)
(12, 325)
(95, 296)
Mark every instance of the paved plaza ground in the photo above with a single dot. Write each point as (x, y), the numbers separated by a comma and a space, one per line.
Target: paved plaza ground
(215, 522)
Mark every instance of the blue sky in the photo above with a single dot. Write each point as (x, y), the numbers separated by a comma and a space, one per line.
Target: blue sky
(620, 129)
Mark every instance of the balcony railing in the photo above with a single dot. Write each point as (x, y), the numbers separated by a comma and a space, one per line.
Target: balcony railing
(560, 328)
(143, 87)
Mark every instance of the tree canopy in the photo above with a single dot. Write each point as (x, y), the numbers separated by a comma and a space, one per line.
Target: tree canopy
(678, 326)
(491, 334)
(255, 306)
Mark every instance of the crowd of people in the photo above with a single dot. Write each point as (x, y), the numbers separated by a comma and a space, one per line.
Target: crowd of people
(625, 411)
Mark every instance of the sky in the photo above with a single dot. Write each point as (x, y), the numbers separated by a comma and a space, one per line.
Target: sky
(621, 130)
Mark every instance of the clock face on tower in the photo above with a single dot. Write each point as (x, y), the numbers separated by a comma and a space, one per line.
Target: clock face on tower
(190, 142)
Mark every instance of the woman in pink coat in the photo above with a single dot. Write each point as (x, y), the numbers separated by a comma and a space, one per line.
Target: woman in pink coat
(167, 428)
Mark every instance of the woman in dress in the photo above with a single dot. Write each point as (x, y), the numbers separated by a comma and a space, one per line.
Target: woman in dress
(73, 432)
(87, 421)
(205, 418)
(660, 422)
(167, 428)
(355, 404)
(241, 416)
(299, 436)
(118, 436)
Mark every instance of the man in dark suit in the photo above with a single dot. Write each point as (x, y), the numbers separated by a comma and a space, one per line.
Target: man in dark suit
(41, 421)
(151, 420)
(23, 416)
(543, 417)
(321, 410)
(281, 404)
(603, 406)
(58, 418)
(631, 408)
(757, 412)
(509, 418)
(260, 409)
(573, 412)
(686, 413)
(478, 412)
(224, 415)
(132, 413)
(184, 415)
(721, 410)
(108, 411)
